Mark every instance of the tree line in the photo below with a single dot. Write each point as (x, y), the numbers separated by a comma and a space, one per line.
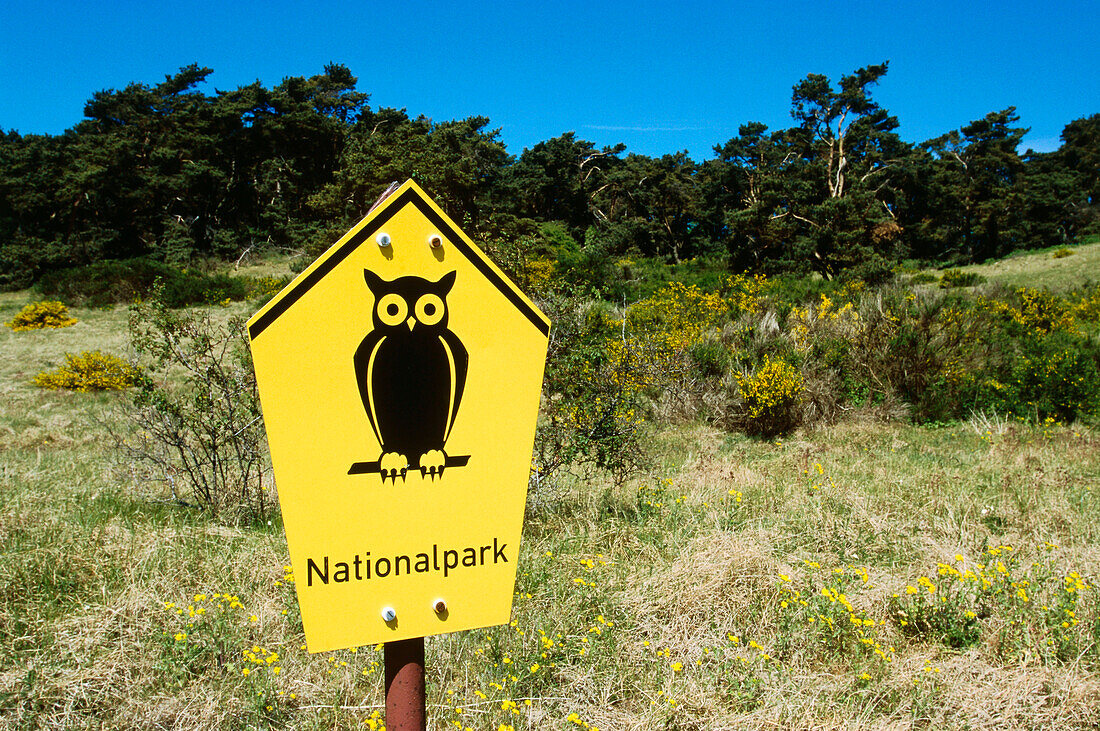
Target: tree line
(169, 172)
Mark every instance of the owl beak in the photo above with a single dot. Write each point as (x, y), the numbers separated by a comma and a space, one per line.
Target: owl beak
(411, 322)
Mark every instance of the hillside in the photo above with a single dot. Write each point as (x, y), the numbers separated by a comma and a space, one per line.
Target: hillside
(1057, 268)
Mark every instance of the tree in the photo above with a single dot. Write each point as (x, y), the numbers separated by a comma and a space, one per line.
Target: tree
(823, 195)
(844, 132)
(980, 167)
(460, 162)
(656, 201)
(30, 229)
(757, 198)
(1080, 154)
(560, 178)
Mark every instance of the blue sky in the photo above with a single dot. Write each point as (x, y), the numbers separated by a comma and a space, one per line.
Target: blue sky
(658, 76)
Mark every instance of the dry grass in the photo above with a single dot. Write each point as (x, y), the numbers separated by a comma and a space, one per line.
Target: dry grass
(672, 565)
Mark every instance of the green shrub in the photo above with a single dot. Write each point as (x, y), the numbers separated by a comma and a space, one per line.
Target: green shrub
(787, 291)
(1061, 253)
(112, 282)
(92, 370)
(953, 278)
(709, 358)
(1086, 305)
(1040, 311)
(40, 315)
(591, 408)
(923, 278)
(193, 288)
(1056, 376)
(197, 411)
(106, 282)
(262, 289)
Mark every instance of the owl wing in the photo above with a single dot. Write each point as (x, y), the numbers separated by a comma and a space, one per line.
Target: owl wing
(365, 355)
(459, 361)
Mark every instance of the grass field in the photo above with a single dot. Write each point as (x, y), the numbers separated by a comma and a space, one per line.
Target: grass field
(1058, 268)
(864, 575)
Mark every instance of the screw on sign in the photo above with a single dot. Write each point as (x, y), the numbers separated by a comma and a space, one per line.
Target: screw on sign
(399, 376)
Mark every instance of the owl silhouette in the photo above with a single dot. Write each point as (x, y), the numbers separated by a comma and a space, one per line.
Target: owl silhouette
(411, 371)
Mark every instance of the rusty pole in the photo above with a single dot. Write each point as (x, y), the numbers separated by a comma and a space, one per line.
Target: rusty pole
(405, 696)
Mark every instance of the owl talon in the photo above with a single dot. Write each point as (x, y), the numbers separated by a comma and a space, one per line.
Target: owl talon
(392, 465)
(432, 463)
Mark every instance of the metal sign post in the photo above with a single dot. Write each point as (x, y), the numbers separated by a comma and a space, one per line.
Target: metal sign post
(405, 692)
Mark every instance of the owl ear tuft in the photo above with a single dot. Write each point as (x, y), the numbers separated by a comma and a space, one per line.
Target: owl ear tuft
(374, 282)
(446, 282)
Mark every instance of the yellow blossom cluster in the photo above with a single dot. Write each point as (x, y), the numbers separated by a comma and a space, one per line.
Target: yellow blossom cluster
(823, 319)
(1037, 310)
(538, 273)
(287, 578)
(831, 613)
(1086, 305)
(576, 720)
(258, 658)
(743, 293)
(1036, 610)
(41, 315)
(92, 370)
(656, 332)
(770, 391)
(589, 565)
(266, 287)
(817, 478)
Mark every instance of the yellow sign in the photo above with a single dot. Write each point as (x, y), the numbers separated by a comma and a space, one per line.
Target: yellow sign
(399, 377)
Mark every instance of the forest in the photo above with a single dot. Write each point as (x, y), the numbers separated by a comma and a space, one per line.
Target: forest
(171, 174)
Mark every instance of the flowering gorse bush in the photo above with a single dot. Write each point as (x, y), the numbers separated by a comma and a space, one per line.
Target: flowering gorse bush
(959, 278)
(40, 315)
(261, 289)
(825, 319)
(1034, 311)
(91, 370)
(1086, 305)
(771, 397)
(743, 293)
(661, 330)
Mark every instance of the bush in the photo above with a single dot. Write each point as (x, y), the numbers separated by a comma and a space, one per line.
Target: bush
(197, 410)
(923, 278)
(1041, 311)
(709, 358)
(106, 282)
(953, 278)
(113, 282)
(786, 291)
(591, 407)
(262, 289)
(40, 315)
(1086, 305)
(92, 370)
(1055, 376)
(771, 397)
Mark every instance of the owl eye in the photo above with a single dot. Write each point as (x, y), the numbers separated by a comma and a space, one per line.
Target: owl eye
(429, 309)
(392, 309)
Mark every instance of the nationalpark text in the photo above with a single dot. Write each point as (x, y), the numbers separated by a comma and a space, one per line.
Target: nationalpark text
(364, 568)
